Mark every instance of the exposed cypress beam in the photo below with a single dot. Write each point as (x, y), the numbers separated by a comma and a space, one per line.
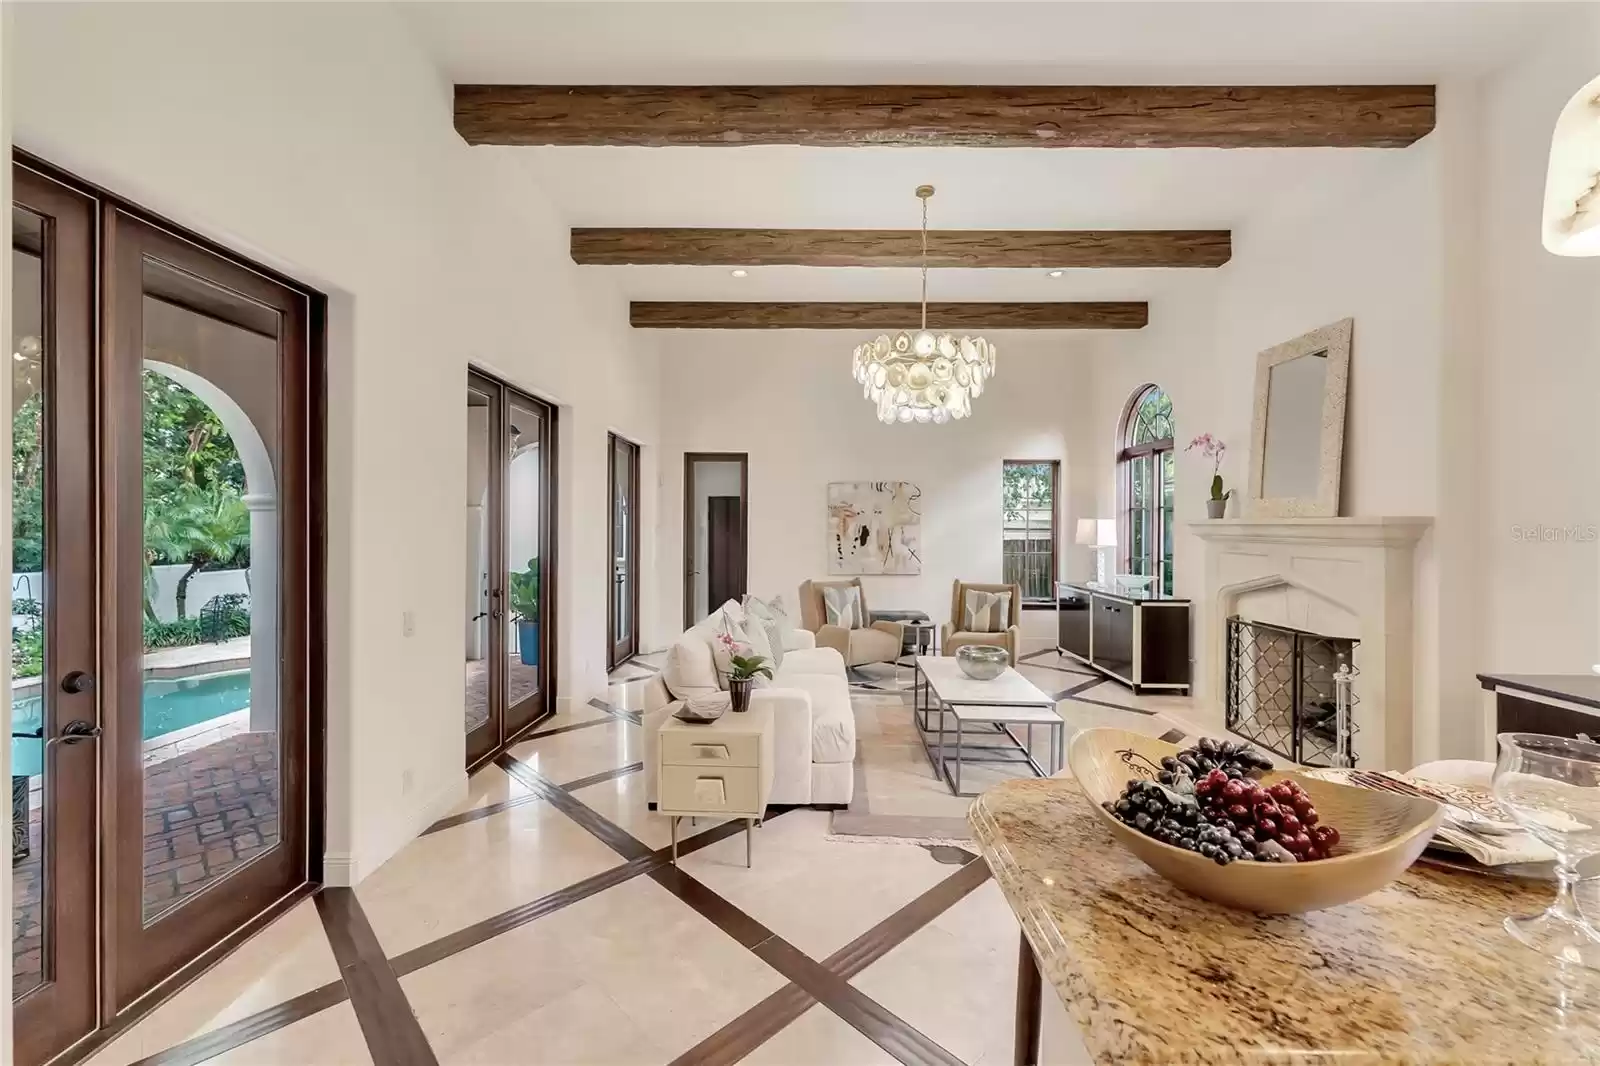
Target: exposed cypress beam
(888, 316)
(902, 247)
(975, 116)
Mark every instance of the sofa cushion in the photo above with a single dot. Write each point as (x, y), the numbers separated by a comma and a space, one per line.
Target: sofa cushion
(825, 661)
(833, 723)
(690, 669)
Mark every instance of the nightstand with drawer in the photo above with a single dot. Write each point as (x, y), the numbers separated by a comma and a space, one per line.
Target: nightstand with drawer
(721, 770)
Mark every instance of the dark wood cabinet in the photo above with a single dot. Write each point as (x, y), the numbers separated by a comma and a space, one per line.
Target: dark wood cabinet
(1142, 641)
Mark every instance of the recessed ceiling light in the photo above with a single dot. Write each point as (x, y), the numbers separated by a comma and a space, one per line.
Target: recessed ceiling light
(1057, 273)
(741, 273)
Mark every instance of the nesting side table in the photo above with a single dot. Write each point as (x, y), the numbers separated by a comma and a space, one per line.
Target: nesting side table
(720, 770)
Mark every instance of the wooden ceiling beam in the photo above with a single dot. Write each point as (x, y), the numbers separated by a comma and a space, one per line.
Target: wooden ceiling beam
(888, 316)
(901, 248)
(972, 116)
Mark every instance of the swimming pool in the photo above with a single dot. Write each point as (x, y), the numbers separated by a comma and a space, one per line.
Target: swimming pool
(169, 704)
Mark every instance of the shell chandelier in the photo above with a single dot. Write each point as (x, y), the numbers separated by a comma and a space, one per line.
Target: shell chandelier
(922, 376)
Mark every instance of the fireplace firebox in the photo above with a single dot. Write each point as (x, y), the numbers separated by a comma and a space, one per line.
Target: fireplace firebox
(1284, 688)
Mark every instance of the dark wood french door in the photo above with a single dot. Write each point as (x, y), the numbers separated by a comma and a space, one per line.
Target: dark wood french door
(622, 610)
(165, 532)
(510, 518)
(54, 713)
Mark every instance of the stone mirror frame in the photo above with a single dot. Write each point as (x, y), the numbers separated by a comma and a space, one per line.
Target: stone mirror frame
(1297, 434)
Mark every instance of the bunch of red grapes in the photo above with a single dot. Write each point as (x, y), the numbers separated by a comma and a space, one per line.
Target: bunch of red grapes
(1280, 813)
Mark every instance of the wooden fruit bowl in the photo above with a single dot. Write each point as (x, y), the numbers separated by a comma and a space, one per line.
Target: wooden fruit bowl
(1380, 833)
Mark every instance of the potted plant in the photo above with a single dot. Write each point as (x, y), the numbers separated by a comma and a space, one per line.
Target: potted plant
(1213, 449)
(742, 673)
(525, 609)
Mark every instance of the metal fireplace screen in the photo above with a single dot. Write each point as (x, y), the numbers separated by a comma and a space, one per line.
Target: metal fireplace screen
(1282, 693)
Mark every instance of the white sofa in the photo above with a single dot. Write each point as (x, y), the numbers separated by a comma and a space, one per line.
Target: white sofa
(815, 741)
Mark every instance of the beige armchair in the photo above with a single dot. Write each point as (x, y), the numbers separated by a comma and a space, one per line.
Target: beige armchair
(880, 642)
(952, 636)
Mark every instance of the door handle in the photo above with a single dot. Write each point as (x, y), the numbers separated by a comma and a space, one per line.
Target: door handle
(77, 681)
(76, 733)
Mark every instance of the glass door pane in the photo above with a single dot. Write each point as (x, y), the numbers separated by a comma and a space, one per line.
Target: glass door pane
(210, 707)
(29, 695)
(624, 550)
(483, 708)
(525, 578)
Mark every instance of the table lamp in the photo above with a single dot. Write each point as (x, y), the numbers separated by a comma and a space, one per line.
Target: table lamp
(1101, 535)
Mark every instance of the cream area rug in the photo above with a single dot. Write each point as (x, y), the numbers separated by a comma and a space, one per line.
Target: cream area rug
(898, 796)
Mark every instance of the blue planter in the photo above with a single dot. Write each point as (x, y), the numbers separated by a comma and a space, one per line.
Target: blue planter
(528, 643)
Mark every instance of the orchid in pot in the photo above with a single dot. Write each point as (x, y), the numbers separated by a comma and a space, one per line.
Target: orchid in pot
(1213, 449)
(742, 671)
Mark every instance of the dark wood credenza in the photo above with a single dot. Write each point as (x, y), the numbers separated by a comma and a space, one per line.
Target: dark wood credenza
(1561, 705)
(1139, 639)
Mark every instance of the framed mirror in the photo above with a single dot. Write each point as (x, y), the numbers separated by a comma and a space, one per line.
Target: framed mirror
(1297, 434)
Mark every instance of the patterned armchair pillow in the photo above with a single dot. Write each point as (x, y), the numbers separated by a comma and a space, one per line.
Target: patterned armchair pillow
(841, 606)
(985, 612)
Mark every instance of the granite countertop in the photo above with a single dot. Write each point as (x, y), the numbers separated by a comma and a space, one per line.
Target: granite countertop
(1421, 972)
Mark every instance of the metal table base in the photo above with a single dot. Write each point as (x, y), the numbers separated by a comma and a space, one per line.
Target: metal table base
(1018, 750)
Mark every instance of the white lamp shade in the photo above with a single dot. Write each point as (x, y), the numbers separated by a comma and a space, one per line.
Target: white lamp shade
(1097, 532)
(1572, 184)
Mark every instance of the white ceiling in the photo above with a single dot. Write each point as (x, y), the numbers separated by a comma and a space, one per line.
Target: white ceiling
(953, 43)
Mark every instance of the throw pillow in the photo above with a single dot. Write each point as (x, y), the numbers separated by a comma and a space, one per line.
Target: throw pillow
(985, 612)
(842, 605)
(759, 638)
(727, 638)
(774, 616)
(690, 669)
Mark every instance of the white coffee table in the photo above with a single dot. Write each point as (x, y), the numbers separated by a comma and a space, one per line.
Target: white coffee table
(943, 692)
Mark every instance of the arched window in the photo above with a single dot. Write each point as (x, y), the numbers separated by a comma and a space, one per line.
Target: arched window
(1145, 472)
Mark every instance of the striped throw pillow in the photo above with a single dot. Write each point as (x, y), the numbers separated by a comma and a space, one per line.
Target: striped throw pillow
(985, 612)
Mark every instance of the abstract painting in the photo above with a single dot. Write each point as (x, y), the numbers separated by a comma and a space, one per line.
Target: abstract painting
(874, 527)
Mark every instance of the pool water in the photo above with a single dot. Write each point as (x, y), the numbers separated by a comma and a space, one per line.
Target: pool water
(169, 704)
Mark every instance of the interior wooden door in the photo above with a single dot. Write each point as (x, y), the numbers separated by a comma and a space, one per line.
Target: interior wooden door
(201, 838)
(725, 549)
(56, 717)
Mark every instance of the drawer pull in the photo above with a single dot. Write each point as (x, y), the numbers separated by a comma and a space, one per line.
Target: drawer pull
(711, 791)
(717, 752)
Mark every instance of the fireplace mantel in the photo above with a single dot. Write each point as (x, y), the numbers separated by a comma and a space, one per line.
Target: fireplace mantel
(1356, 532)
(1348, 577)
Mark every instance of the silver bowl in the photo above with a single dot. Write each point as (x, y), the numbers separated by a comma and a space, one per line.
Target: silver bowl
(982, 662)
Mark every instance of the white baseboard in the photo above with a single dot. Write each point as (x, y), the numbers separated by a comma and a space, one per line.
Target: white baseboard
(343, 869)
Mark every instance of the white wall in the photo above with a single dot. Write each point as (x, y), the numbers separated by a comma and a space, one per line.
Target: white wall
(1360, 238)
(793, 406)
(318, 139)
(1541, 380)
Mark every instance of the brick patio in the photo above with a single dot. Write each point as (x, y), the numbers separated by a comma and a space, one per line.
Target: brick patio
(204, 813)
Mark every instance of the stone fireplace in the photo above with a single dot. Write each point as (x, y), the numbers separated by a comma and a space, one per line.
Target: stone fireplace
(1348, 579)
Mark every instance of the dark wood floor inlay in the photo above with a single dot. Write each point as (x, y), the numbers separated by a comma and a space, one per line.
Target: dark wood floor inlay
(391, 1029)
(617, 712)
(477, 813)
(224, 1039)
(590, 723)
(610, 833)
(1173, 736)
(766, 1019)
(603, 775)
